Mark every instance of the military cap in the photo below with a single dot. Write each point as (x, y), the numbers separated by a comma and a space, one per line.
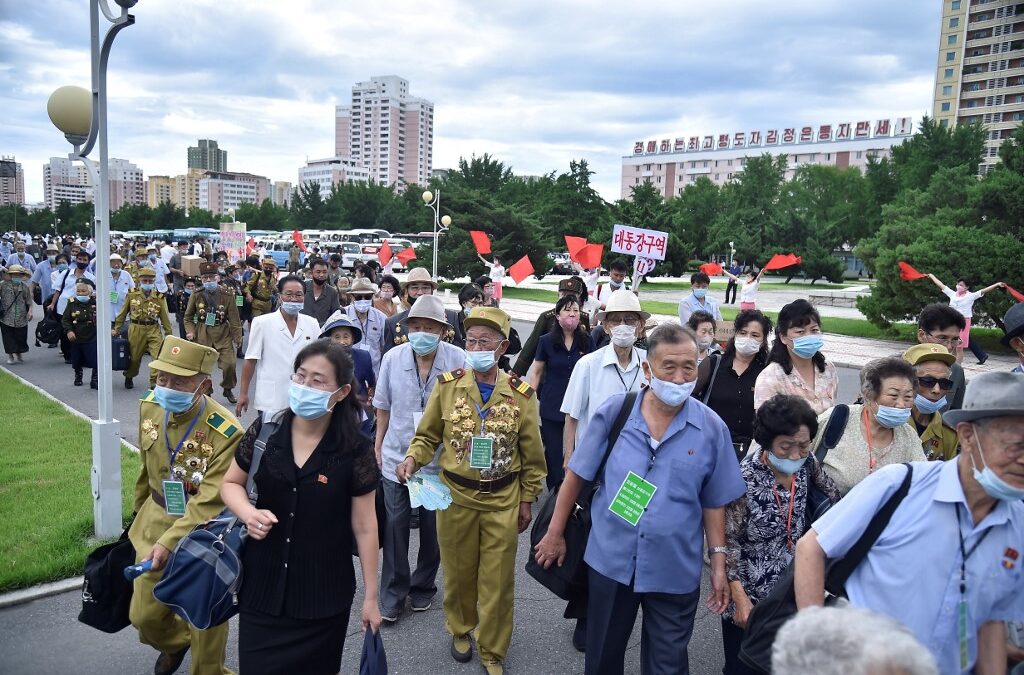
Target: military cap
(140, 251)
(928, 352)
(181, 357)
(209, 268)
(147, 273)
(492, 317)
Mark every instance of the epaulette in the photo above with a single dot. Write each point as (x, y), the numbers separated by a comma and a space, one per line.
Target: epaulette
(149, 397)
(451, 375)
(520, 385)
(222, 426)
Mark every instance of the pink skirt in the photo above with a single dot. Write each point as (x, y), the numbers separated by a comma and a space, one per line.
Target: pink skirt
(748, 305)
(965, 334)
(496, 294)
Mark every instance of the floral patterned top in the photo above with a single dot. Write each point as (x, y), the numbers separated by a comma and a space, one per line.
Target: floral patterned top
(759, 549)
(14, 301)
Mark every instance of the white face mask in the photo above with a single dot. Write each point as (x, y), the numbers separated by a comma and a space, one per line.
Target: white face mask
(623, 335)
(747, 346)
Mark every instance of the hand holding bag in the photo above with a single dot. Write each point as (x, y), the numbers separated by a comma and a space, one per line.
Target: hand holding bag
(373, 661)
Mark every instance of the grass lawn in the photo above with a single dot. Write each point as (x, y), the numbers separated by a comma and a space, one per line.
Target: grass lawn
(654, 285)
(45, 493)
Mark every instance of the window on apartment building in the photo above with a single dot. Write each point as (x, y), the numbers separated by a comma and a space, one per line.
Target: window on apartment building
(716, 176)
(860, 154)
(647, 167)
(954, 22)
(693, 165)
(706, 163)
(949, 73)
(659, 179)
(730, 163)
(954, 5)
(636, 181)
(947, 90)
(729, 176)
(945, 106)
(951, 39)
(950, 56)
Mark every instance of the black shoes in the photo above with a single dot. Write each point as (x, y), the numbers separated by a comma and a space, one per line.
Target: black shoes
(166, 664)
(128, 384)
(78, 377)
(229, 396)
(93, 381)
(579, 635)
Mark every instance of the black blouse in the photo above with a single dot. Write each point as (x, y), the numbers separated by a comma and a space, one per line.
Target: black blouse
(303, 568)
(732, 397)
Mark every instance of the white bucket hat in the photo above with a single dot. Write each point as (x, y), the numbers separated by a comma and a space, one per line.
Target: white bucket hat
(623, 300)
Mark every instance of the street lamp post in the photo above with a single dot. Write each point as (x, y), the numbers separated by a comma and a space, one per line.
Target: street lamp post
(440, 223)
(82, 116)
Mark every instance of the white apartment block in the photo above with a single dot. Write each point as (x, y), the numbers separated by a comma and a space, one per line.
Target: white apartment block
(281, 193)
(220, 191)
(387, 131)
(64, 180)
(332, 171)
(12, 182)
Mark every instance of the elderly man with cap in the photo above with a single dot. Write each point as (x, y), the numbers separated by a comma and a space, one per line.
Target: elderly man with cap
(932, 363)
(146, 310)
(491, 457)
(408, 374)
(42, 273)
(186, 444)
(120, 283)
(948, 564)
(211, 319)
(138, 263)
(342, 330)
(261, 288)
(16, 303)
(546, 321)
(1013, 326)
(371, 320)
(419, 282)
(162, 271)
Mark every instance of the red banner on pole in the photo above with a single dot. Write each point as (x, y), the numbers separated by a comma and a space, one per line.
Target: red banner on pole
(406, 255)
(574, 244)
(908, 273)
(1015, 293)
(711, 269)
(521, 269)
(384, 254)
(481, 241)
(590, 256)
(780, 260)
(297, 238)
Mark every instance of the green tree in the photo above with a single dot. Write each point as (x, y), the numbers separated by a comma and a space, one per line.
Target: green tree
(480, 173)
(692, 214)
(934, 147)
(752, 210)
(308, 207)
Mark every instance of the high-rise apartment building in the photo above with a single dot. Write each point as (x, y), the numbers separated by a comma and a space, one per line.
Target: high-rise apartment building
(980, 72)
(159, 189)
(387, 131)
(281, 193)
(186, 189)
(65, 181)
(127, 185)
(12, 182)
(206, 155)
(220, 191)
(332, 171)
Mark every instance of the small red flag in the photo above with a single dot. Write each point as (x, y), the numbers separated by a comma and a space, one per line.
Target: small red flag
(250, 246)
(711, 269)
(384, 254)
(405, 256)
(908, 273)
(521, 269)
(780, 260)
(589, 256)
(321, 478)
(297, 238)
(481, 241)
(1015, 293)
(574, 244)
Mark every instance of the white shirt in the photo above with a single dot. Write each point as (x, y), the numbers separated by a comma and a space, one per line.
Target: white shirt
(166, 253)
(373, 333)
(197, 248)
(68, 290)
(962, 303)
(120, 284)
(497, 272)
(748, 291)
(596, 377)
(90, 246)
(274, 347)
(590, 278)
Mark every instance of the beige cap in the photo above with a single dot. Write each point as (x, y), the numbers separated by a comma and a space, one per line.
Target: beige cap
(623, 300)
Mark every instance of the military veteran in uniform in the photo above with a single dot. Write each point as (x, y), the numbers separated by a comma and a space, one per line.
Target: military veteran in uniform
(211, 319)
(419, 282)
(186, 442)
(147, 310)
(932, 363)
(493, 462)
(261, 288)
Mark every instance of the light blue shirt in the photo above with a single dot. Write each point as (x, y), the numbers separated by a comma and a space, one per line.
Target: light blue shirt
(121, 284)
(24, 259)
(693, 468)
(41, 276)
(691, 304)
(912, 573)
(401, 392)
(373, 333)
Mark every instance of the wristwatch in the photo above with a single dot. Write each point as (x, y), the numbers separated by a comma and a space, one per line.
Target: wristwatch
(717, 549)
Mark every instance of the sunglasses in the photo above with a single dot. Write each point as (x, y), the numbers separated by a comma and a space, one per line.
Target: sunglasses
(929, 382)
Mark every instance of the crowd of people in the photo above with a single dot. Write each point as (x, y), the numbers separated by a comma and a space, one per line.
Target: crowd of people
(736, 455)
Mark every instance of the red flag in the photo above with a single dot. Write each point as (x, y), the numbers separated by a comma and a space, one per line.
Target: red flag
(711, 269)
(481, 241)
(574, 244)
(589, 256)
(297, 238)
(250, 246)
(1015, 293)
(521, 269)
(405, 256)
(908, 273)
(384, 254)
(780, 260)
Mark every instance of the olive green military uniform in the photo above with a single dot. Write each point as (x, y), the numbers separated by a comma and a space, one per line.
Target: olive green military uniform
(478, 533)
(212, 320)
(200, 464)
(147, 313)
(133, 267)
(261, 287)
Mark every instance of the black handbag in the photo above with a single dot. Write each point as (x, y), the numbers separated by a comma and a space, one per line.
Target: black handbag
(769, 615)
(120, 354)
(563, 579)
(48, 330)
(106, 593)
(817, 501)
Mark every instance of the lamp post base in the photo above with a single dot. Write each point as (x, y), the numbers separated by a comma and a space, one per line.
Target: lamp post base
(106, 478)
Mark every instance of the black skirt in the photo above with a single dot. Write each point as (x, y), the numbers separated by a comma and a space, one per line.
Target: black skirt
(278, 644)
(15, 339)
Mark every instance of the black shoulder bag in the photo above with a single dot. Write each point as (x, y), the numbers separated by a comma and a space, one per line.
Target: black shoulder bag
(779, 605)
(562, 579)
(817, 501)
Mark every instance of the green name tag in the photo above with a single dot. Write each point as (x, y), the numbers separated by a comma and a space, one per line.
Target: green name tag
(238, 300)
(211, 319)
(114, 297)
(174, 497)
(481, 451)
(632, 498)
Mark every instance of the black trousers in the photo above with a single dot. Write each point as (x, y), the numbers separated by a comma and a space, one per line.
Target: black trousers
(732, 636)
(977, 350)
(551, 436)
(730, 287)
(83, 354)
(665, 636)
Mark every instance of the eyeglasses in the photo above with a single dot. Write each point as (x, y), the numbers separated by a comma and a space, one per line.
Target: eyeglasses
(313, 382)
(927, 382)
(944, 340)
(482, 344)
(629, 321)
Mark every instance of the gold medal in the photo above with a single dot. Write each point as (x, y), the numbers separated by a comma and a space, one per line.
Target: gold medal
(153, 435)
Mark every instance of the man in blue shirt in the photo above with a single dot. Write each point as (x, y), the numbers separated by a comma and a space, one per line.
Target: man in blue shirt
(698, 299)
(44, 270)
(664, 488)
(948, 565)
(735, 270)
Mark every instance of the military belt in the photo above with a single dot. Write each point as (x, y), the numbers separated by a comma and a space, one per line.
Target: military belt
(484, 486)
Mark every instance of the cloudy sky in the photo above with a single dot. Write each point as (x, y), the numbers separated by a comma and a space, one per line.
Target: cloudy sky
(535, 83)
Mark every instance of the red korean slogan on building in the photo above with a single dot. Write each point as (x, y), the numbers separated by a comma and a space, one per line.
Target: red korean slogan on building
(639, 242)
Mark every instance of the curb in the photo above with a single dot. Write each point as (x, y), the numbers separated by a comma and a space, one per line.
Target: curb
(40, 591)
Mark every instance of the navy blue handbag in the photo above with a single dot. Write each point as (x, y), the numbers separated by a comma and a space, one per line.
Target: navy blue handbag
(203, 577)
(373, 661)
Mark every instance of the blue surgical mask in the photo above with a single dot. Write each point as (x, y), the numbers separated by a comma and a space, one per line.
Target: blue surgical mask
(670, 393)
(16, 281)
(994, 486)
(423, 343)
(51, 258)
(481, 362)
(929, 407)
(699, 293)
(307, 403)
(83, 298)
(785, 465)
(62, 267)
(187, 291)
(172, 400)
(806, 346)
(152, 258)
(362, 306)
(147, 287)
(292, 308)
(210, 285)
(467, 310)
(890, 417)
